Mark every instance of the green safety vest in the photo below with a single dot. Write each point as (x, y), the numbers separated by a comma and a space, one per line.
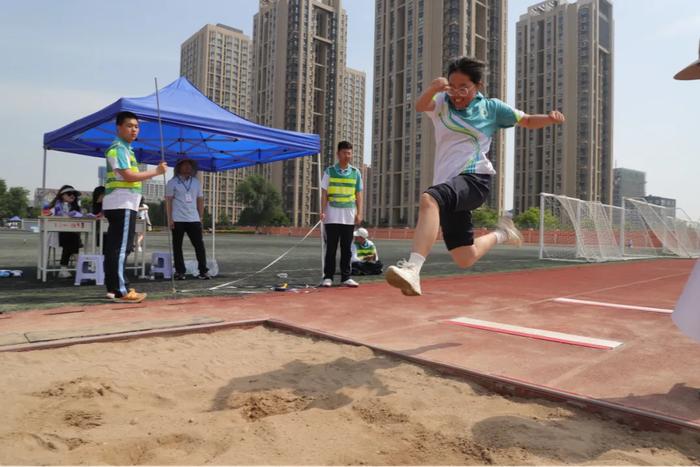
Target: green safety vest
(112, 182)
(365, 250)
(341, 188)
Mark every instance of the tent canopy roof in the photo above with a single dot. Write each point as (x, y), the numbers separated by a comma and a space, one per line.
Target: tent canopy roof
(193, 127)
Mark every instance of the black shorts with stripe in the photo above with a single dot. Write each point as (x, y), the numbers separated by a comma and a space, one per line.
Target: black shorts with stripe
(457, 198)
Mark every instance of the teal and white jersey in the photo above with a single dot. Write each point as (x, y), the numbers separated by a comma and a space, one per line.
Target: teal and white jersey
(463, 137)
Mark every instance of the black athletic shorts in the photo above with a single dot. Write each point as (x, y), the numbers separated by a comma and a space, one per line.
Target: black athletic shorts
(457, 198)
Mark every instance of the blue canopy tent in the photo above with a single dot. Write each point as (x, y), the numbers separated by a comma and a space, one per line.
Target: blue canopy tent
(193, 127)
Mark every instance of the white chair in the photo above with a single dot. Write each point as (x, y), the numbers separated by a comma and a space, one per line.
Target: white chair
(162, 263)
(90, 267)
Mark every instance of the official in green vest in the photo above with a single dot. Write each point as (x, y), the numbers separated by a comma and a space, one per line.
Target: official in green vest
(120, 205)
(365, 259)
(341, 211)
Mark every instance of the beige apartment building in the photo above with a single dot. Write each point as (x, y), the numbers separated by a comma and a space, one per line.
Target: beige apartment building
(299, 79)
(414, 40)
(217, 60)
(564, 61)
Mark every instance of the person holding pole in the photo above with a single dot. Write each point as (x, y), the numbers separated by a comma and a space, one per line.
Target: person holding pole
(120, 205)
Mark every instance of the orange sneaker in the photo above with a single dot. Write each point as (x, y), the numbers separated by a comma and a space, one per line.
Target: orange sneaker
(132, 297)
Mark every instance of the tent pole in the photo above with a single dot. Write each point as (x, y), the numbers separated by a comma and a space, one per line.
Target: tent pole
(321, 227)
(215, 183)
(43, 177)
(165, 182)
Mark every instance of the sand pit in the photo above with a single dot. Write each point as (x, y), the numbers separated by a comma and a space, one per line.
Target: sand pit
(265, 397)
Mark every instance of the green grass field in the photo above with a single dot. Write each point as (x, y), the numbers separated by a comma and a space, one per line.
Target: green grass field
(238, 256)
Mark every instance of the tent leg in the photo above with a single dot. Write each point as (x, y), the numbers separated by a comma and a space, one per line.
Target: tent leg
(214, 184)
(43, 177)
(322, 230)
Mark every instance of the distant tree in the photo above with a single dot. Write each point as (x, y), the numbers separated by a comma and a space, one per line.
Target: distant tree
(86, 203)
(206, 222)
(263, 204)
(4, 211)
(156, 212)
(224, 220)
(484, 217)
(16, 201)
(530, 219)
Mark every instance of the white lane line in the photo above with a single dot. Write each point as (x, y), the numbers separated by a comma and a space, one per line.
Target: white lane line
(612, 305)
(536, 333)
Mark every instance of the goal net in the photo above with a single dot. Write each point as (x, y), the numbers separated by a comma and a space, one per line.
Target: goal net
(676, 233)
(575, 230)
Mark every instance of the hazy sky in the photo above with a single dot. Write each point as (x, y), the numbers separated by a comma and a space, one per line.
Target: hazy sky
(64, 59)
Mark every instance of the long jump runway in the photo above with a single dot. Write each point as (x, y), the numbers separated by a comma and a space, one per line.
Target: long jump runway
(599, 336)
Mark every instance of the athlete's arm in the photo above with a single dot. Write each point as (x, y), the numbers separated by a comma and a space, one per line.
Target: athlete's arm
(425, 102)
(535, 122)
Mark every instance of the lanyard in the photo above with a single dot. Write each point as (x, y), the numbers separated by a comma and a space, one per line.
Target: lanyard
(187, 187)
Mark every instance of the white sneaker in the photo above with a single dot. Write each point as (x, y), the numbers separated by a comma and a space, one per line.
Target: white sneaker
(404, 276)
(64, 273)
(350, 283)
(327, 283)
(139, 250)
(513, 235)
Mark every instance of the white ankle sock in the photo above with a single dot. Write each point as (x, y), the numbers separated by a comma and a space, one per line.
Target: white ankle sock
(417, 259)
(501, 236)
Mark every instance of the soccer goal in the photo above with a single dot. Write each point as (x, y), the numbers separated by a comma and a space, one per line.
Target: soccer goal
(575, 230)
(675, 232)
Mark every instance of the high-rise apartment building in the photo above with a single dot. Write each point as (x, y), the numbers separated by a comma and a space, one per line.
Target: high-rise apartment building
(564, 61)
(661, 201)
(352, 113)
(101, 175)
(628, 183)
(217, 60)
(299, 65)
(414, 41)
(152, 190)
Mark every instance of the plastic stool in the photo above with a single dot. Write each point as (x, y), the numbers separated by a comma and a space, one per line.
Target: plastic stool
(90, 267)
(162, 263)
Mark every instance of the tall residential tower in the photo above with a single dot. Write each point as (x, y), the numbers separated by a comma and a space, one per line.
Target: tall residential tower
(217, 60)
(298, 73)
(564, 61)
(414, 41)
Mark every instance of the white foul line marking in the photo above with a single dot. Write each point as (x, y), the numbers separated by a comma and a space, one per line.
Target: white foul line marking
(612, 305)
(536, 333)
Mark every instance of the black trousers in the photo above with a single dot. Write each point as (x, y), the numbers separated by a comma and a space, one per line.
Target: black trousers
(366, 268)
(194, 232)
(338, 233)
(70, 244)
(117, 246)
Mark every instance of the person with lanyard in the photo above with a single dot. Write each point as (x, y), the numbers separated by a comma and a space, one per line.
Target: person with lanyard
(341, 208)
(184, 200)
(465, 122)
(120, 204)
(365, 259)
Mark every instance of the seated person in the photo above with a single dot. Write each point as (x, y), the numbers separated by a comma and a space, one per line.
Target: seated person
(365, 260)
(66, 203)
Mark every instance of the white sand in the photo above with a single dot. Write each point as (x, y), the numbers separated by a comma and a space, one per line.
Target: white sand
(264, 397)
